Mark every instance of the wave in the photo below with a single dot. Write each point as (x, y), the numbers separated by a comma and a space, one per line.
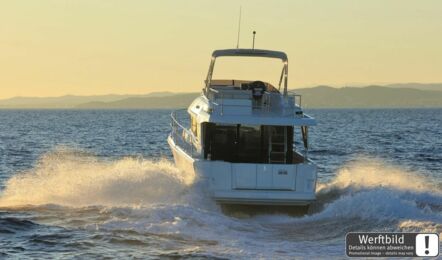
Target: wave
(372, 188)
(370, 195)
(373, 173)
(74, 178)
(11, 225)
(137, 200)
(154, 197)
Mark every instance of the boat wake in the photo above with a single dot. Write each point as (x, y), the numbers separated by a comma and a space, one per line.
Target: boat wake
(74, 178)
(76, 190)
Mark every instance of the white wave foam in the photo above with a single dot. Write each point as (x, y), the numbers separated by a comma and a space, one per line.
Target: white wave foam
(420, 226)
(366, 189)
(371, 189)
(154, 197)
(364, 173)
(71, 178)
(377, 204)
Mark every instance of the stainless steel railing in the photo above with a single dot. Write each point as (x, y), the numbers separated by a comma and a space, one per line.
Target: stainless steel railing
(218, 97)
(181, 135)
(297, 99)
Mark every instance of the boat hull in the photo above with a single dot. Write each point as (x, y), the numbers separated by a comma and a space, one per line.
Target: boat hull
(251, 184)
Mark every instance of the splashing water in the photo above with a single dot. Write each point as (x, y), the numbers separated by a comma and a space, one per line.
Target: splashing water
(372, 173)
(72, 178)
(375, 190)
(153, 198)
(67, 177)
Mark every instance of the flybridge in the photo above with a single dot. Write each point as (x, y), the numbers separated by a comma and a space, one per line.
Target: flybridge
(249, 102)
(250, 53)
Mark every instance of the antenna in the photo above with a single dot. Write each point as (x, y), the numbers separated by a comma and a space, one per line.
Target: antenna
(239, 28)
(253, 46)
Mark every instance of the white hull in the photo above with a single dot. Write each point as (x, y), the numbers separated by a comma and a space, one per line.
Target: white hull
(250, 183)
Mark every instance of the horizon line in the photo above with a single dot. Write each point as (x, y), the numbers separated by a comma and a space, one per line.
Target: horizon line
(354, 85)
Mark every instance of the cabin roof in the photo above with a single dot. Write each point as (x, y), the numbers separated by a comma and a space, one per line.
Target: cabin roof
(251, 53)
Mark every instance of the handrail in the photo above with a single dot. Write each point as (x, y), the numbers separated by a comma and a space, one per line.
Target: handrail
(295, 96)
(174, 119)
(299, 98)
(217, 99)
(234, 94)
(181, 135)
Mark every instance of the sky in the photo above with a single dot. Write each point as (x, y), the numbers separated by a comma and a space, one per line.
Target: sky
(92, 47)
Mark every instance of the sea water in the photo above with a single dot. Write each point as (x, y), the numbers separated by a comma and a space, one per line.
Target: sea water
(94, 184)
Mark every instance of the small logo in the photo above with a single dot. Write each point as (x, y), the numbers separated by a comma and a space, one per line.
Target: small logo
(427, 245)
(282, 172)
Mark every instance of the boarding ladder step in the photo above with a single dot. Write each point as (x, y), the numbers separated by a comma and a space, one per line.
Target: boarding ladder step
(278, 144)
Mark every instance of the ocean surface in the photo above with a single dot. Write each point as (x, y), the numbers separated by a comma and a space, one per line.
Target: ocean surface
(102, 184)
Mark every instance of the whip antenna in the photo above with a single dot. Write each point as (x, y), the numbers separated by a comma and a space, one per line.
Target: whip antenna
(239, 28)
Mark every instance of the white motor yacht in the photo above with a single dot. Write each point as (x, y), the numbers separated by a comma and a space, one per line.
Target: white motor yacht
(239, 138)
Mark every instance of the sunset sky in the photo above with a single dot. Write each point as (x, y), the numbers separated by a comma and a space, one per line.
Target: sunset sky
(85, 47)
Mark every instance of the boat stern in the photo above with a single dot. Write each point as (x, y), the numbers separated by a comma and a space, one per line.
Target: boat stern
(260, 184)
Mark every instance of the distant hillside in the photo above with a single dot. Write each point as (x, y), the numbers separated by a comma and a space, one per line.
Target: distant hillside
(421, 86)
(161, 102)
(317, 97)
(68, 101)
(369, 97)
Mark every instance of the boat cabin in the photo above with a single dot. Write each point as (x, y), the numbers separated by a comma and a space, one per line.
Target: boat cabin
(243, 121)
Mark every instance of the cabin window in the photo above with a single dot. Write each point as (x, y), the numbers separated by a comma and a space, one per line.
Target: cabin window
(248, 143)
(222, 142)
(234, 143)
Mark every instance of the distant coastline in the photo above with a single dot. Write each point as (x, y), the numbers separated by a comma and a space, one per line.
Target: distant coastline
(409, 95)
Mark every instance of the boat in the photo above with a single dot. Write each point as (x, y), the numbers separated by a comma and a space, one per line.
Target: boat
(247, 141)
